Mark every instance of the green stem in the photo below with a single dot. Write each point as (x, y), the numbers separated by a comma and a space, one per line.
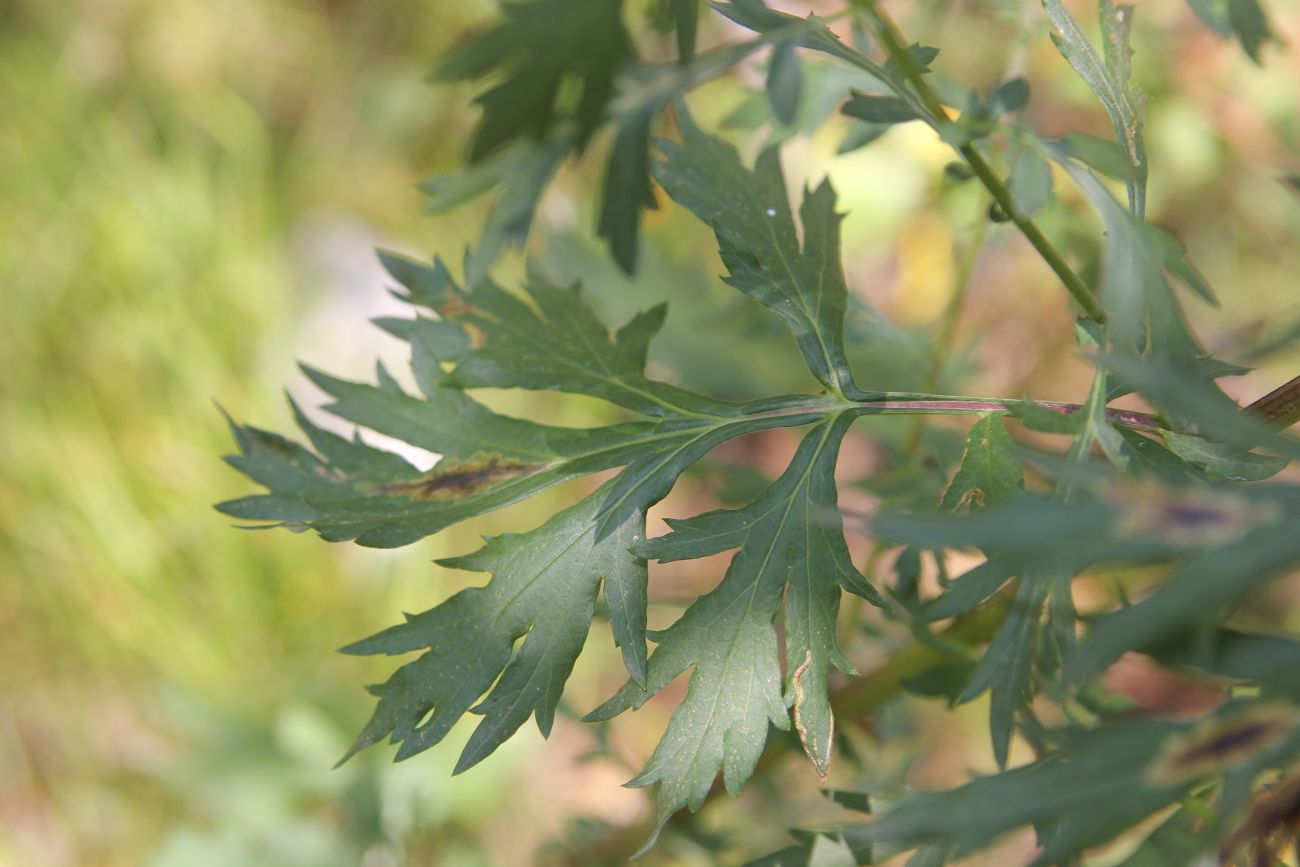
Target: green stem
(934, 405)
(896, 47)
(1073, 283)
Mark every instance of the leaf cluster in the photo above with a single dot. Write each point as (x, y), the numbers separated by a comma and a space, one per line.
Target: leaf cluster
(1182, 490)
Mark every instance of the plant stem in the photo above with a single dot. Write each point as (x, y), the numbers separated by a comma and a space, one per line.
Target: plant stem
(1280, 407)
(896, 47)
(1126, 417)
(1074, 285)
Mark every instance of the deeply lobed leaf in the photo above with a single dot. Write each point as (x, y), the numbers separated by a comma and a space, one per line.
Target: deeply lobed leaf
(528, 623)
(790, 543)
(750, 214)
(543, 591)
(539, 46)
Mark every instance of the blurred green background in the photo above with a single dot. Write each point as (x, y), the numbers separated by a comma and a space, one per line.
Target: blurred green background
(189, 195)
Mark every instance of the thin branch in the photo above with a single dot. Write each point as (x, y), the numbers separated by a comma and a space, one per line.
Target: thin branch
(896, 47)
(1280, 407)
(935, 405)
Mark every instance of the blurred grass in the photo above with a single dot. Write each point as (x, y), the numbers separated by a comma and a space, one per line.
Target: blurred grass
(168, 171)
(188, 195)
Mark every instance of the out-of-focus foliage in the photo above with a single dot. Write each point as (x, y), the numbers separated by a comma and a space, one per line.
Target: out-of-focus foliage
(188, 197)
(182, 211)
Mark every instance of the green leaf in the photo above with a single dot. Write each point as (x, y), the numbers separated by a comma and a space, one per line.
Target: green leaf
(821, 849)
(990, 475)
(1098, 154)
(1090, 788)
(433, 342)
(968, 590)
(784, 83)
(490, 460)
(1174, 258)
(1144, 315)
(1181, 839)
(777, 28)
(1010, 96)
(1031, 529)
(921, 55)
(750, 214)
(1008, 665)
(1184, 393)
(929, 856)
(1031, 182)
(1244, 19)
(1108, 79)
(627, 189)
(860, 135)
(383, 503)
(1224, 461)
(1149, 457)
(294, 473)
(947, 680)
(428, 286)
(522, 173)
(543, 591)
(790, 544)
(446, 421)
(536, 50)
(524, 458)
(1250, 25)
(990, 470)
(880, 109)
(1092, 785)
(850, 799)
(647, 88)
(650, 475)
(446, 191)
(550, 339)
(1268, 661)
(957, 172)
(1196, 593)
(560, 345)
(686, 21)
(830, 852)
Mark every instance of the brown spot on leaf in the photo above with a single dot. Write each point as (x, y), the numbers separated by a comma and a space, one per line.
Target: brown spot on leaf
(455, 306)
(1217, 746)
(808, 741)
(457, 309)
(1274, 818)
(329, 474)
(462, 478)
(1189, 517)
